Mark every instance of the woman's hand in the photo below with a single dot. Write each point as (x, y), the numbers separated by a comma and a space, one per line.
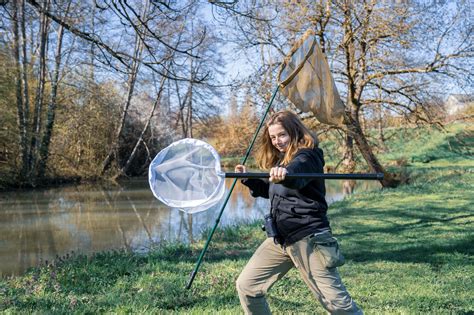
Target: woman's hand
(240, 169)
(277, 174)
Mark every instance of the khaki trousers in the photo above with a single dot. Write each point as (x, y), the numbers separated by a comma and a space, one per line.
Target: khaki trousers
(271, 262)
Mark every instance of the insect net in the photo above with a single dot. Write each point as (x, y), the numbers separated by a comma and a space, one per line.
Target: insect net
(187, 175)
(305, 79)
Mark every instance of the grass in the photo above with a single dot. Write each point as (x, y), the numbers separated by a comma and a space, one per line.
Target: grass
(409, 251)
(428, 144)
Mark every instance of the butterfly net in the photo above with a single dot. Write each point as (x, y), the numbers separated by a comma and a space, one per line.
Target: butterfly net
(305, 79)
(187, 175)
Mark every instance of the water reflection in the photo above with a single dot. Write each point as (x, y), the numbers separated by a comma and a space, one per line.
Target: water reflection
(38, 225)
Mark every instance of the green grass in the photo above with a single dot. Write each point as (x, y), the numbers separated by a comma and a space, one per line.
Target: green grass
(409, 145)
(409, 250)
(428, 144)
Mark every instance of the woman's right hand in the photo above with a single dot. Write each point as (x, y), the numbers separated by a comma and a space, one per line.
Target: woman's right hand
(240, 169)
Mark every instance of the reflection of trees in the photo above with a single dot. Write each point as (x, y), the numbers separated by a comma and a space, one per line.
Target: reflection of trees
(337, 190)
(32, 242)
(348, 187)
(27, 232)
(240, 200)
(40, 225)
(188, 226)
(109, 201)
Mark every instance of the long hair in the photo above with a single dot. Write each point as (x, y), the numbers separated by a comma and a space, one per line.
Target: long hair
(300, 137)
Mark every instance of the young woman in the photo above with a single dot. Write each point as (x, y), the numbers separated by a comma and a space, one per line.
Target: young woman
(298, 228)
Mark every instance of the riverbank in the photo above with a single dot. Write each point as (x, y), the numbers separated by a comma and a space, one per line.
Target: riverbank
(409, 250)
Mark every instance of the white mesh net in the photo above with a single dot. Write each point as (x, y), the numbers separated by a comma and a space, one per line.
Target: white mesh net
(187, 175)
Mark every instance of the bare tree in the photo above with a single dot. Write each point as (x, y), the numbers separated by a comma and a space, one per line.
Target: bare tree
(372, 47)
(132, 78)
(39, 94)
(163, 43)
(370, 29)
(196, 99)
(140, 139)
(22, 110)
(51, 111)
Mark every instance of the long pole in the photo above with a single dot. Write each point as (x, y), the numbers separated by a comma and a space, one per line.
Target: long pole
(247, 154)
(374, 176)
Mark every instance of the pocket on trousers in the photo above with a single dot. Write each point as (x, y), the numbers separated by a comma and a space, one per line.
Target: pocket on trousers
(327, 249)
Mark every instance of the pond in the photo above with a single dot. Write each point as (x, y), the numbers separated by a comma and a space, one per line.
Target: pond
(38, 225)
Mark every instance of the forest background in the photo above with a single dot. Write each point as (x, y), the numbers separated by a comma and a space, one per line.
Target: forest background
(94, 89)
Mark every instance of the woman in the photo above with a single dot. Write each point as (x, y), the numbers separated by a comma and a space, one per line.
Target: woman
(298, 228)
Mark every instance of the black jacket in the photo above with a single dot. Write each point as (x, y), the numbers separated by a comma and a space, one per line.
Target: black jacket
(298, 206)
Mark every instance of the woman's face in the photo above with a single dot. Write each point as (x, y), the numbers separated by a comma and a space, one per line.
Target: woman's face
(279, 137)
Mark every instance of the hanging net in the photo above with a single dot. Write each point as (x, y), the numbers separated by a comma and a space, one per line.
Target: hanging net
(305, 79)
(187, 175)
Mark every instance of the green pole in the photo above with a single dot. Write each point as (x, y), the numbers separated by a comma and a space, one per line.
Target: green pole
(203, 252)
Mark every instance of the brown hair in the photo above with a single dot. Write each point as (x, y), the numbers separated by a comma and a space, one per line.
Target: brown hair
(300, 137)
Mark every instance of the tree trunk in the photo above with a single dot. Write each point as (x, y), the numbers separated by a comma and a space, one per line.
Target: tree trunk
(131, 87)
(348, 162)
(189, 113)
(124, 170)
(51, 113)
(22, 121)
(380, 130)
(26, 94)
(354, 92)
(92, 48)
(182, 115)
(189, 116)
(39, 97)
(355, 131)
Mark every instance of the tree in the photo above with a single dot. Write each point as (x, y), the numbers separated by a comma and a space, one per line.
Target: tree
(9, 115)
(388, 47)
(131, 81)
(233, 135)
(147, 42)
(51, 111)
(196, 99)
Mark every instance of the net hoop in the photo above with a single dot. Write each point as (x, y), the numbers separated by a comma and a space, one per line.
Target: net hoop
(187, 175)
(289, 56)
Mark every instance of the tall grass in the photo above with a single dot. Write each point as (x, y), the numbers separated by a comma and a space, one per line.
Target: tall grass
(409, 251)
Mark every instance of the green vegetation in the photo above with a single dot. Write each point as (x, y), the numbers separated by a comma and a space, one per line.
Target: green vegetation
(409, 251)
(429, 143)
(414, 147)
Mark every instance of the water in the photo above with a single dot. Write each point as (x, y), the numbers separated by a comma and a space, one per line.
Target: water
(38, 225)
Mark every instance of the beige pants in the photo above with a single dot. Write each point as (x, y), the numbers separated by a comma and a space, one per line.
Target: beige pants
(271, 262)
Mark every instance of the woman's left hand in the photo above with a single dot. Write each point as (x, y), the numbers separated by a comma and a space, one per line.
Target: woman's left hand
(277, 174)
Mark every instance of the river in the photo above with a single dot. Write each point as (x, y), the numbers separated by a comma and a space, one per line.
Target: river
(38, 225)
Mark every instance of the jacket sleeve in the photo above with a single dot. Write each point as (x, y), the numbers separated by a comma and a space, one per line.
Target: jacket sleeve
(305, 161)
(258, 187)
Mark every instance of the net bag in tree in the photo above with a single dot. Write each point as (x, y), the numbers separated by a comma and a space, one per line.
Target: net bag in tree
(305, 79)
